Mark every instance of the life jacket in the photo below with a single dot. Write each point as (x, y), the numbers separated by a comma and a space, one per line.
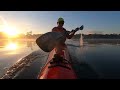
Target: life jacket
(57, 29)
(63, 31)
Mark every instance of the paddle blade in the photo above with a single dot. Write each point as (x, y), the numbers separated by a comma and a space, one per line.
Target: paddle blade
(81, 28)
(48, 41)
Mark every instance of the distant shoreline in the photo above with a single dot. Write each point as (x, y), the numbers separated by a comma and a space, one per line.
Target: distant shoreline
(71, 39)
(18, 39)
(96, 39)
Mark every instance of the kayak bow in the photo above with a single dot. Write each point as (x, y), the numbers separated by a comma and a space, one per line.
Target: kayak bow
(61, 70)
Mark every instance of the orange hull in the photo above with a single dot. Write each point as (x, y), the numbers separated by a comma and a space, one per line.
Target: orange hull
(57, 72)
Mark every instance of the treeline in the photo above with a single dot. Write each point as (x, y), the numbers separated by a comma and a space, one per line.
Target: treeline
(29, 35)
(21, 36)
(34, 36)
(98, 36)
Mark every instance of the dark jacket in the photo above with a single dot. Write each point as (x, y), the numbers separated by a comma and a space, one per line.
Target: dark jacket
(64, 31)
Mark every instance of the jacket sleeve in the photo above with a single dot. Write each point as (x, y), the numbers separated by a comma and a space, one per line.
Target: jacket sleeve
(70, 34)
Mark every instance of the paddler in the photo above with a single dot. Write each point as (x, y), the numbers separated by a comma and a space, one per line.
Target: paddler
(68, 35)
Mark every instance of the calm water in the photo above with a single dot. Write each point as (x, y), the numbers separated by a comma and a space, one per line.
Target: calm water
(12, 50)
(104, 59)
(92, 60)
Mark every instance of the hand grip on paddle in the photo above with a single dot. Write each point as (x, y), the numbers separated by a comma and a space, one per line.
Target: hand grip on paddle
(79, 28)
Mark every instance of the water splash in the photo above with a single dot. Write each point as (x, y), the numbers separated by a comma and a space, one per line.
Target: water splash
(81, 39)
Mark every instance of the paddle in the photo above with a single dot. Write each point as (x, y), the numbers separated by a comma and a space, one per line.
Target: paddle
(48, 40)
(81, 28)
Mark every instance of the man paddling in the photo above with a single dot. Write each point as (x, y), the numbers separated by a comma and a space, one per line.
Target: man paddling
(56, 39)
(60, 46)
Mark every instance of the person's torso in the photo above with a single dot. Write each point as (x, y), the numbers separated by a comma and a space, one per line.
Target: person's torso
(59, 29)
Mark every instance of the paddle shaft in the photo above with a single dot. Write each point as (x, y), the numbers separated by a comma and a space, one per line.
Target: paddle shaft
(77, 29)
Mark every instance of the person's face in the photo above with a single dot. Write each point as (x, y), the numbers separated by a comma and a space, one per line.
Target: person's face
(60, 24)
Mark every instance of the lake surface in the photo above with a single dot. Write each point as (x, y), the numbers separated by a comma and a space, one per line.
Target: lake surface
(12, 50)
(103, 58)
(92, 60)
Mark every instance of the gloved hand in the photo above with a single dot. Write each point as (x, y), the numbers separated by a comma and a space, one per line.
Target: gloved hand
(75, 30)
(72, 30)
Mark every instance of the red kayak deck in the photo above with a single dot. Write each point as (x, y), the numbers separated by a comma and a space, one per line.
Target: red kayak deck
(63, 71)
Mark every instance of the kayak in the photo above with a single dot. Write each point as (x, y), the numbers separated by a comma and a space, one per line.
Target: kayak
(57, 66)
(62, 69)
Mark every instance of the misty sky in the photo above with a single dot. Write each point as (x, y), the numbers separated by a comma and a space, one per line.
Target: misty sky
(44, 21)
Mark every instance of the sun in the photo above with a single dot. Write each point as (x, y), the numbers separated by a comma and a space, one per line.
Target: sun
(10, 31)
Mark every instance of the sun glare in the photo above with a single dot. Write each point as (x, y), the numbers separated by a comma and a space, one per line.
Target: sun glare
(10, 31)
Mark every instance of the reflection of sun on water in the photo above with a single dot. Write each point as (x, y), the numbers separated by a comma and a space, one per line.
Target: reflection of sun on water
(12, 46)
